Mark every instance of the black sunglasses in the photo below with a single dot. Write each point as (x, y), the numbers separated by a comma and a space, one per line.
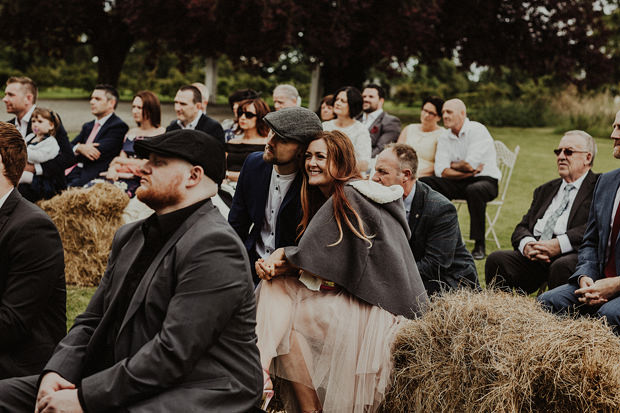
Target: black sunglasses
(248, 115)
(567, 152)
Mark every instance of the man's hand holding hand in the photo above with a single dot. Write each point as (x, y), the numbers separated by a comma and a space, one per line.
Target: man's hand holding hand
(599, 291)
(62, 401)
(88, 150)
(50, 383)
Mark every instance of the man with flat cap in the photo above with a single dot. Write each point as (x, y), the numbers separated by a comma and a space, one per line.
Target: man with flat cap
(171, 326)
(266, 208)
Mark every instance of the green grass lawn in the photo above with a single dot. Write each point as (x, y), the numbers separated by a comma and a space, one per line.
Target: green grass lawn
(535, 165)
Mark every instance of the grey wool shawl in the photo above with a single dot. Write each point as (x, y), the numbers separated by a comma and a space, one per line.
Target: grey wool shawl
(384, 274)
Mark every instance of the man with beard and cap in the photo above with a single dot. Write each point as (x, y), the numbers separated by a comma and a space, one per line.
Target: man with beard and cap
(171, 326)
(266, 208)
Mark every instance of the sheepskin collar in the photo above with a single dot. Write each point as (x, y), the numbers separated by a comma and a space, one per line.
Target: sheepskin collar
(377, 192)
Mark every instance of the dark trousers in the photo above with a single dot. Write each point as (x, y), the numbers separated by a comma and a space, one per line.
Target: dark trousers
(18, 394)
(510, 269)
(563, 300)
(477, 191)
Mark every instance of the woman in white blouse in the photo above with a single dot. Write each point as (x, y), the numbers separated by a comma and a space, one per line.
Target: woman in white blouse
(347, 105)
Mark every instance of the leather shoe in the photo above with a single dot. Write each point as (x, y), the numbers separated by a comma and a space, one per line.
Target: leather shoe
(479, 251)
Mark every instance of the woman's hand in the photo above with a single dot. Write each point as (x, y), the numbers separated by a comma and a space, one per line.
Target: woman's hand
(274, 265)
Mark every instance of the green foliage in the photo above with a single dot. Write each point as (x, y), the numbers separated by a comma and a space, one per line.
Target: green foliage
(77, 300)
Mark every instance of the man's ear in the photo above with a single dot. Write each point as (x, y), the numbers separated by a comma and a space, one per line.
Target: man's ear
(407, 174)
(195, 175)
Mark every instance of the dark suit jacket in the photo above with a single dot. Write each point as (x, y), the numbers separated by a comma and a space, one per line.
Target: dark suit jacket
(248, 206)
(205, 124)
(32, 288)
(592, 252)
(384, 130)
(437, 244)
(110, 140)
(187, 342)
(54, 169)
(577, 218)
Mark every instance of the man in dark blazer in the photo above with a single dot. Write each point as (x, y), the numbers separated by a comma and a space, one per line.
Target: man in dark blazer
(20, 97)
(190, 113)
(32, 270)
(266, 208)
(100, 140)
(383, 127)
(594, 288)
(550, 256)
(171, 327)
(436, 242)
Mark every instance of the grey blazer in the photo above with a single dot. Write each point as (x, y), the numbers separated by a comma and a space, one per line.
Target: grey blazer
(187, 342)
(384, 130)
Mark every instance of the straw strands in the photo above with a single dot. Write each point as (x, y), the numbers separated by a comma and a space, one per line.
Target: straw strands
(87, 220)
(496, 352)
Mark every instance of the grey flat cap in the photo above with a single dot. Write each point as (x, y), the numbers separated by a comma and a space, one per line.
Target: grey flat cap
(295, 123)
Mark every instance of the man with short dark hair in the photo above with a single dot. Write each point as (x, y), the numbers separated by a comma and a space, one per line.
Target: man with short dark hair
(594, 287)
(171, 325)
(440, 254)
(32, 270)
(20, 98)
(190, 113)
(383, 127)
(100, 140)
(266, 208)
(547, 238)
(466, 168)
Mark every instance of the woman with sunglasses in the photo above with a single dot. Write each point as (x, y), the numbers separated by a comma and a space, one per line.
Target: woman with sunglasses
(329, 308)
(423, 136)
(251, 135)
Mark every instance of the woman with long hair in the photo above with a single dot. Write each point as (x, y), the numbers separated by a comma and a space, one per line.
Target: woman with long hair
(250, 135)
(124, 169)
(329, 308)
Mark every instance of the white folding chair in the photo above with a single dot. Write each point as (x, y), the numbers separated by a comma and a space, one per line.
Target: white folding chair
(506, 160)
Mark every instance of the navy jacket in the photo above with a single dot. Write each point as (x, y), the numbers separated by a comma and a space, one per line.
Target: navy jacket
(248, 206)
(436, 242)
(592, 252)
(206, 124)
(110, 140)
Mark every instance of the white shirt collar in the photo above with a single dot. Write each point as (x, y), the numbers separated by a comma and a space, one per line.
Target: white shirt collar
(462, 132)
(103, 119)
(576, 184)
(28, 115)
(5, 196)
(369, 118)
(192, 124)
(408, 201)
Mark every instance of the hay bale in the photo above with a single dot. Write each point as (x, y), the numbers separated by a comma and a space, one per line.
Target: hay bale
(87, 220)
(496, 352)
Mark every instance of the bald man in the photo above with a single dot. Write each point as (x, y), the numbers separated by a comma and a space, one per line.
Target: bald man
(466, 168)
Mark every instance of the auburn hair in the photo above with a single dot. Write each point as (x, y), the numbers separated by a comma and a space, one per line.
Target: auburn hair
(341, 167)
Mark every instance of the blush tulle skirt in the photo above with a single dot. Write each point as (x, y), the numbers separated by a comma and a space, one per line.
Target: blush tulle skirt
(327, 340)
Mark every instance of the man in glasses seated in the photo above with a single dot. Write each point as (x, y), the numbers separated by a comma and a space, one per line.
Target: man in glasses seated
(188, 105)
(547, 238)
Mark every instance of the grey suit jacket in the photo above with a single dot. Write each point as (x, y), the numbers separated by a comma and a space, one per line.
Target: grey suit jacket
(187, 342)
(384, 130)
(593, 249)
(440, 254)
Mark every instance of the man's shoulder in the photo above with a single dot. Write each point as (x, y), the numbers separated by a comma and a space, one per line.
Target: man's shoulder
(609, 177)
(387, 118)
(26, 215)
(434, 201)
(207, 121)
(115, 120)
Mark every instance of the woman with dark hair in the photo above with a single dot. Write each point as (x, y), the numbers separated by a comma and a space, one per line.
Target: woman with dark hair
(347, 106)
(250, 135)
(124, 169)
(423, 136)
(328, 309)
(326, 109)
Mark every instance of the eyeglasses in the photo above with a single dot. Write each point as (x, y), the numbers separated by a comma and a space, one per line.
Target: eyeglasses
(248, 115)
(567, 152)
(428, 112)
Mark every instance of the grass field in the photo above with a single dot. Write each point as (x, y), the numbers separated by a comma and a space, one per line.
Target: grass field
(535, 165)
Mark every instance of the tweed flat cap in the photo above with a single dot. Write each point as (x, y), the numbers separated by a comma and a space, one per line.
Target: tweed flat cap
(294, 123)
(196, 147)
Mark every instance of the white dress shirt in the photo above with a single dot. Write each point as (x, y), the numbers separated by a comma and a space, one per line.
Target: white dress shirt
(5, 196)
(278, 187)
(561, 224)
(369, 118)
(192, 125)
(473, 145)
(22, 124)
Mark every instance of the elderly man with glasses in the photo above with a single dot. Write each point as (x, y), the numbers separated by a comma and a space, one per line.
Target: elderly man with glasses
(547, 238)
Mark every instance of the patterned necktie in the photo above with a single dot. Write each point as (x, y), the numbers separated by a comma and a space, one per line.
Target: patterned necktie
(553, 219)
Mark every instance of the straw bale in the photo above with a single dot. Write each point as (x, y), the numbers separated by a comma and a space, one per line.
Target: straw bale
(86, 220)
(497, 352)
